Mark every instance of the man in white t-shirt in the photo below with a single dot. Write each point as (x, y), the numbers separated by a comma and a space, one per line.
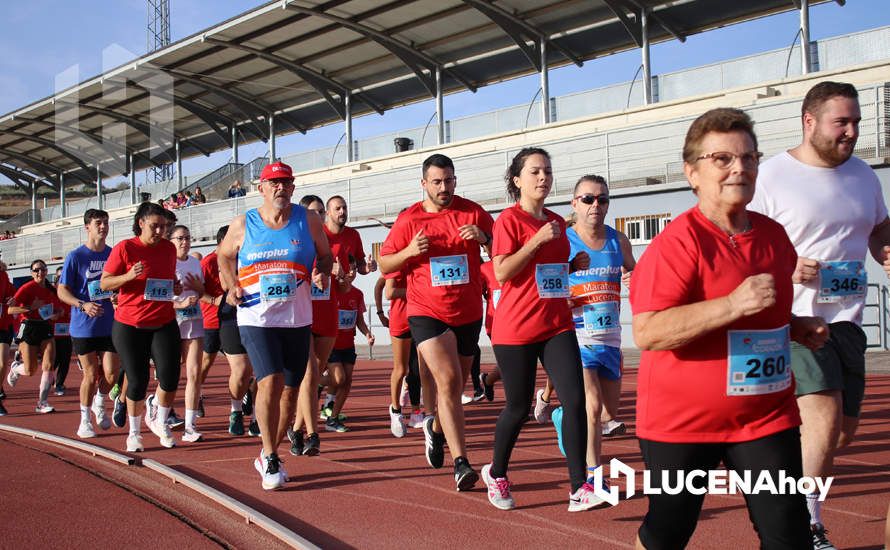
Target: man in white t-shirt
(832, 207)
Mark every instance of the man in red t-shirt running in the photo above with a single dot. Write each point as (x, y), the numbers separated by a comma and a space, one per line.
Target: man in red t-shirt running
(435, 244)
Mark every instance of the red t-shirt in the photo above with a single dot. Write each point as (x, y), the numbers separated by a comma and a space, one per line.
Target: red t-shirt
(682, 393)
(398, 311)
(212, 287)
(31, 291)
(64, 317)
(7, 291)
(493, 290)
(350, 306)
(344, 243)
(453, 304)
(324, 312)
(159, 262)
(522, 316)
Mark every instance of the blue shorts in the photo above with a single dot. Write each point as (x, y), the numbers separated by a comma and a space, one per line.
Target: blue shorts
(345, 355)
(277, 350)
(606, 360)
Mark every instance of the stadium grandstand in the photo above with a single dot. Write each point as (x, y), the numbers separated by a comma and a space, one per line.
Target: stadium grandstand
(291, 66)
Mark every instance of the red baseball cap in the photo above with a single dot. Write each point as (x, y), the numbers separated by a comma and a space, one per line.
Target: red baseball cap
(276, 170)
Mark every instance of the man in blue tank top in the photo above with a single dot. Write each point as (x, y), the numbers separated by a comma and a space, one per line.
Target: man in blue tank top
(265, 264)
(604, 257)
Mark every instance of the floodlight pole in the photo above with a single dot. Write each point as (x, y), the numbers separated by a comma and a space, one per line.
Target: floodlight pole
(545, 85)
(347, 121)
(647, 68)
(34, 195)
(440, 109)
(805, 67)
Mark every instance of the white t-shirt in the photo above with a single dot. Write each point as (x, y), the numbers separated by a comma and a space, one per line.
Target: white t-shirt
(189, 319)
(828, 214)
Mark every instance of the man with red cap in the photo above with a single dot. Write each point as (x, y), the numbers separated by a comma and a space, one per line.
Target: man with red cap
(265, 264)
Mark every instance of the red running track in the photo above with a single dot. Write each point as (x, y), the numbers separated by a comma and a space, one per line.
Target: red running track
(368, 489)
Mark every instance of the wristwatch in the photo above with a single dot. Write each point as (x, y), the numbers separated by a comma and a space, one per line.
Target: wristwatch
(80, 305)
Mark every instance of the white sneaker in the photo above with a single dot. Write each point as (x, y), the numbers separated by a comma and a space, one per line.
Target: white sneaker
(404, 396)
(85, 430)
(542, 408)
(269, 468)
(151, 410)
(43, 407)
(613, 428)
(466, 399)
(160, 429)
(191, 435)
(13, 377)
(134, 444)
(98, 409)
(416, 420)
(396, 423)
(499, 494)
(584, 499)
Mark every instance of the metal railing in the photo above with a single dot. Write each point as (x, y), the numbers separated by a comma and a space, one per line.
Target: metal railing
(28, 217)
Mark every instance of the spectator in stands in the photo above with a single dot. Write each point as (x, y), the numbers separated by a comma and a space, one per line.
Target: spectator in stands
(235, 190)
(180, 200)
(189, 200)
(171, 204)
(199, 197)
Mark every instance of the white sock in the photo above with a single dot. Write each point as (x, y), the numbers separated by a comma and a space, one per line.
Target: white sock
(46, 381)
(163, 413)
(190, 416)
(20, 369)
(236, 405)
(84, 413)
(100, 397)
(135, 425)
(814, 507)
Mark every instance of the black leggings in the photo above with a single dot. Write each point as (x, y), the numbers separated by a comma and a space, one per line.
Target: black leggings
(518, 364)
(781, 521)
(476, 370)
(413, 377)
(63, 359)
(135, 346)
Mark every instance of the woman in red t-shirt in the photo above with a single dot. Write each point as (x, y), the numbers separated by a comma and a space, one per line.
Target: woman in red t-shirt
(533, 321)
(711, 300)
(37, 305)
(143, 271)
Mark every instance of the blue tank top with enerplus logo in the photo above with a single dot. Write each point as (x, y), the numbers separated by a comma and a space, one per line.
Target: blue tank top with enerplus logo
(274, 269)
(596, 291)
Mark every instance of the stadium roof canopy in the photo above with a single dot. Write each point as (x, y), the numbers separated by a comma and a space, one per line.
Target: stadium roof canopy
(309, 63)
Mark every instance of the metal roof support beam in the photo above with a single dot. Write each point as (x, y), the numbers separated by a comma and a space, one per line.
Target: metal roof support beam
(271, 118)
(658, 20)
(115, 151)
(100, 199)
(522, 32)
(17, 177)
(234, 144)
(146, 128)
(248, 107)
(440, 110)
(805, 66)
(41, 168)
(132, 182)
(179, 181)
(634, 26)
(325, 87)
(79, 157)
(350, 150)
(34, 185)
(644, 50)
(545, 87)
(219, 124)
(62, 204)
(420, 63)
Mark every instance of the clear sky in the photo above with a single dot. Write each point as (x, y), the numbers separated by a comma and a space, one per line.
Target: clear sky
(40, 39)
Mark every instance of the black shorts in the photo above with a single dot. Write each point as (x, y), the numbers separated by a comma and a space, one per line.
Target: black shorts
(211, 340)
(6, 336)
(230, 339)
(97, 344)
(34, 333)
(345, 355)
(424, 328)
